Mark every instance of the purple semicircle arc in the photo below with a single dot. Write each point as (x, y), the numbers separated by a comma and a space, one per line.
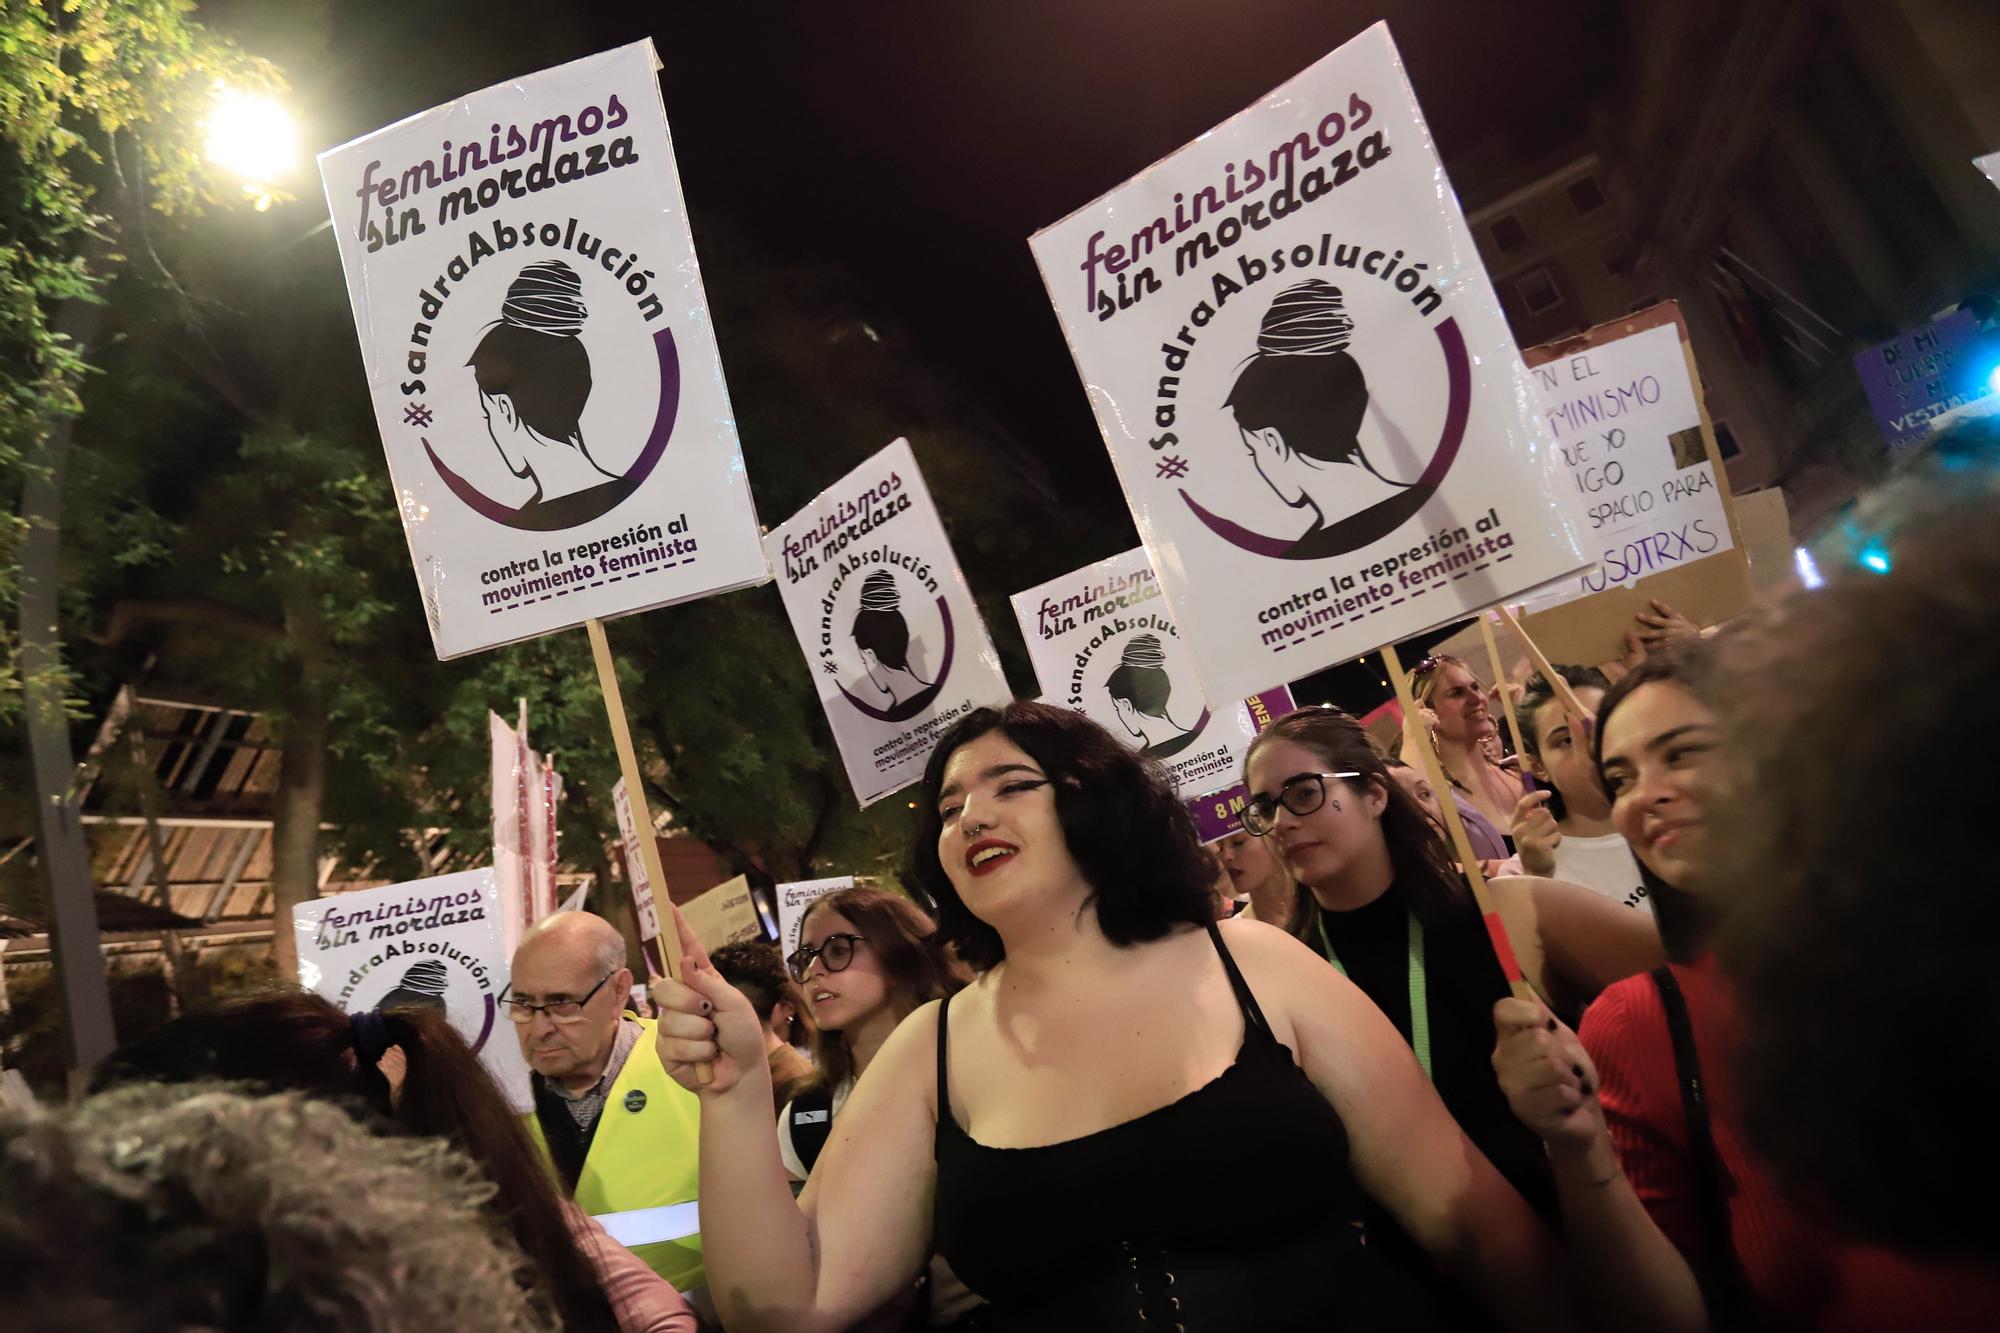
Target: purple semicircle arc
(635, 476)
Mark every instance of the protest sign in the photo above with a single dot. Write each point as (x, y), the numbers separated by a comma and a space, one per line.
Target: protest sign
(539, 352)
(1764, 521)
(1104, 643)
(1917, 378)
(526, 791)
(636, 872)
(795, 898)
(890, 632)
(433, 943)
(723, 915)
(1305, 380)
(1624, 408)
(1220, 813)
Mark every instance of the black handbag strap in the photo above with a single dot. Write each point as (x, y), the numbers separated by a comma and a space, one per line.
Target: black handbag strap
(809, 1137)
(1723, 1283)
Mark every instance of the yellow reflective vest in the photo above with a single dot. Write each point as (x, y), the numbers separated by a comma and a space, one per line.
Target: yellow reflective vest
(645, 1155)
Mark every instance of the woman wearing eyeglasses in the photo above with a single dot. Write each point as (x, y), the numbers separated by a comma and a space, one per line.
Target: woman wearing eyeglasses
(1136, 1118)
(1397, 918)
(865, 960)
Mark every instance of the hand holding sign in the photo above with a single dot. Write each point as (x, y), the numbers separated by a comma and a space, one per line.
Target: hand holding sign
(709, 1035)
(1535, 833)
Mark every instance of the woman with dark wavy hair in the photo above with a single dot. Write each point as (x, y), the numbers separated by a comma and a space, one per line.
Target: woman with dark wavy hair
(1067, 1130)
(407, 1069)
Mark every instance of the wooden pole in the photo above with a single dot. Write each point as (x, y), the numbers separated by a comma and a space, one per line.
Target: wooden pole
(1496, 929)
(1500, 683)
(1578, 714)
(635, 792)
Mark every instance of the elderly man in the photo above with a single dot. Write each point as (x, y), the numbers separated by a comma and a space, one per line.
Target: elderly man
(623, 1136)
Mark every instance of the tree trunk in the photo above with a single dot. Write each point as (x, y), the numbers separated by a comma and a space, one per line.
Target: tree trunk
(301, 795)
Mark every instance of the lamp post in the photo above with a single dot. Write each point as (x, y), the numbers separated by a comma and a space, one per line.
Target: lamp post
(251, 138)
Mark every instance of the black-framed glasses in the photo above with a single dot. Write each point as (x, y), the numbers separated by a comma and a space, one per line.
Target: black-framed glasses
(834, 952)
(1302, 793)
(559, 1011)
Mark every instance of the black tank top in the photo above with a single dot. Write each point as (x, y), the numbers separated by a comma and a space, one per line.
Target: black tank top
(1231, 1209)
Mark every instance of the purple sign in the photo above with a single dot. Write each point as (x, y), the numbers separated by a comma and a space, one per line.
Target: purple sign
(1220, 814)
(1915, 378)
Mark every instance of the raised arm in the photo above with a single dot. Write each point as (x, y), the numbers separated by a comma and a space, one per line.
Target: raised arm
(861, 1231)
(1573, 942)
(1407, 1151)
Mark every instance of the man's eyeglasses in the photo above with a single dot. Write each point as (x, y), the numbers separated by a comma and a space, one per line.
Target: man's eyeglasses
(1301, 794)
(835, 952)
(559, 1011)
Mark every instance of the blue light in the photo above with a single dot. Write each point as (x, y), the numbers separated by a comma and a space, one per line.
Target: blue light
(1993, 380)
(1875, 558)
(1808, 568)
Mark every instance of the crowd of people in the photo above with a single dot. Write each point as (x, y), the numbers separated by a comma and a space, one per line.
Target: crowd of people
(1050, 1086)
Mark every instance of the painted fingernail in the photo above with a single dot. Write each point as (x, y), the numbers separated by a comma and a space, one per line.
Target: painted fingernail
(1552, 1025)
(707, 1008)
(1577, 1070)
(1587, 1089)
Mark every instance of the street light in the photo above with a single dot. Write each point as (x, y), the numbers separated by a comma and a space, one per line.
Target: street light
(252, 137)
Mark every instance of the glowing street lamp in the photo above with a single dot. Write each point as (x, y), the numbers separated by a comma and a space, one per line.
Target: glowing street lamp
(251, 136)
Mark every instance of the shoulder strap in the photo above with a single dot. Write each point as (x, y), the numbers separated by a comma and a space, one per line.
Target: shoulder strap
(811, 1122)
(943, 1081)
(1252, 1015)
(1724, 1283)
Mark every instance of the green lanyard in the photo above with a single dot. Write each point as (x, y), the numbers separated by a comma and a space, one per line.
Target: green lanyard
(1420, 1012)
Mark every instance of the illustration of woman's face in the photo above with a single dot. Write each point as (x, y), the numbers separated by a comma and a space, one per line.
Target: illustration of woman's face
(1280, 468)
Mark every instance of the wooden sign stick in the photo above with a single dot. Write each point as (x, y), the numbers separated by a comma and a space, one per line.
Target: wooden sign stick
(1501, 683)
(1578, 714)
(635, 792)
(1496, 929)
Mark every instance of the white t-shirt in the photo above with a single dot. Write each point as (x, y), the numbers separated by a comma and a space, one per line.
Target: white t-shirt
(1603, 864)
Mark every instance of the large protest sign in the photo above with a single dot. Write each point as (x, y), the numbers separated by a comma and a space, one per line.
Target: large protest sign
(889, 629)
(644, 906)
(795, 898)
(723, 915)
(1624, 410)
(526, 794)
(1305, 380)
(434, 943)
(538, 348)
(1917, 380)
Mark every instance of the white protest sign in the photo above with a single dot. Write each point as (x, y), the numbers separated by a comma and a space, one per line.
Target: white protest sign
(643, 905)
(434, 943)
(795, 898)
(1627, 436)
(1308, 389)
(539, 351)
(888, 627)
(1104, 643)
(723, 915)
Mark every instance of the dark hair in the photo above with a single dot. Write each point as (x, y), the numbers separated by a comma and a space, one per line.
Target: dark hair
(755, 968)
(1538, 692)
(1861, 907)
(907, 949)
(1685, 920)
(293, 1040)
(1145, 688)
(1126, 830)
(533, 355)
(1436, 891)
(886, 634)
(1315, 402)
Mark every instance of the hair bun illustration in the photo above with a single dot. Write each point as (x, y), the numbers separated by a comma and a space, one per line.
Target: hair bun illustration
(880, 593)
(1143, 650)
(1306, 319)
(425, 978)
(546, 297)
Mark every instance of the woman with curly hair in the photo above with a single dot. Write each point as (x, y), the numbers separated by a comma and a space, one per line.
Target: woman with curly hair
(1061, 1129)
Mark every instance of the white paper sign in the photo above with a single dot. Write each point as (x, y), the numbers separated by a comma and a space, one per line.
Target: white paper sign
(1308, 389)
(636, 873)
(890, 631)
(539, 351)
(1104, 643)
(1627, 436)
(432, 942)
(795, 898)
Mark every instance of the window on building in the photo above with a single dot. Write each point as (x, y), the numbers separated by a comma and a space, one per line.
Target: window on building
(1618, 255)
(1509, 234)
(1725, 441)
(1538, 291)
(1584, 196)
